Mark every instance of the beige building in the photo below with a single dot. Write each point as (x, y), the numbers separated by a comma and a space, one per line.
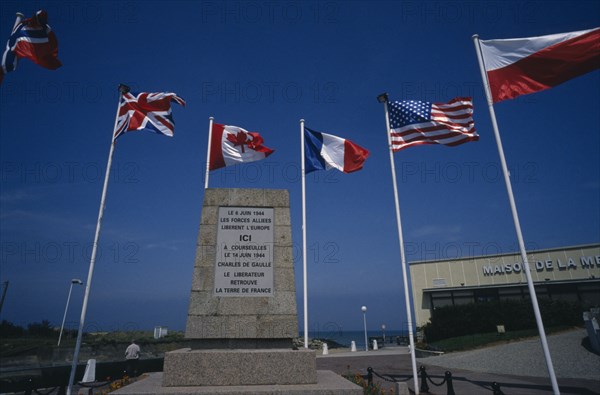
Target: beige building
(569, 273)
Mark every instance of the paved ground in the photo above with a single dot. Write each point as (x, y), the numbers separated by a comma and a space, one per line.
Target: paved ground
(519, 367)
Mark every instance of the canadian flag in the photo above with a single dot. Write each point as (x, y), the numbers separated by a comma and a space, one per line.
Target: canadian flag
(231, 145)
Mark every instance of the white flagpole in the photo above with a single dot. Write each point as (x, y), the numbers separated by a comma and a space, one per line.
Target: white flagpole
(18, 20)
(210, 125)
(88, 284)
(19, 17)
(513, 207)
(304, 269)
(402, 256)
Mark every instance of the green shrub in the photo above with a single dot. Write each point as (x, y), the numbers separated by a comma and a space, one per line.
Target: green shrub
(41, 329)
(469, 319)
(8, 329)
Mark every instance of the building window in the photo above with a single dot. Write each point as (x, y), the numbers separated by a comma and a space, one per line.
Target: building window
(515, 293)
(486, 295)
(589, 294)
(439, 299)
(462, 297)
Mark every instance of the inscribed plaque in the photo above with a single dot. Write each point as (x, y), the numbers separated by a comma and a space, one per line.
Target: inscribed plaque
(244, 260)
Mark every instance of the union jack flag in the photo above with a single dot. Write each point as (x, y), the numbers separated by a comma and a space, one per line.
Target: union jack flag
(33, 39)
(146, 111)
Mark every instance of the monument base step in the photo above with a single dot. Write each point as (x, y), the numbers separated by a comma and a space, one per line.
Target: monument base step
(328, 383)
(187, 367)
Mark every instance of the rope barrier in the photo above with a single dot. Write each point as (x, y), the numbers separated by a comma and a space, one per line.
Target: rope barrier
(424, 387)
(389, 379)
(423, 374)
(433, 382)
(397, 378)
(449, 385)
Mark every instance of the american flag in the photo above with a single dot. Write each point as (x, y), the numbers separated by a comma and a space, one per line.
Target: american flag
(146, 111)
(414, 122)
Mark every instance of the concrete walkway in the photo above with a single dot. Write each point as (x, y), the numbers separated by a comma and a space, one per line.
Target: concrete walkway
(519, 367)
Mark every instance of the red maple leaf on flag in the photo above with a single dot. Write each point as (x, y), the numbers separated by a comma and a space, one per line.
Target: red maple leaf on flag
(229, 146)
(240, 139)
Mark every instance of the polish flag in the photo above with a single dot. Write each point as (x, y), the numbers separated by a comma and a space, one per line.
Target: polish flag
(231, 145)
(324, 151)
(520, 66)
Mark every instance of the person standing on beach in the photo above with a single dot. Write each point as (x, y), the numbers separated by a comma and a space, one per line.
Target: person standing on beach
(132, 355)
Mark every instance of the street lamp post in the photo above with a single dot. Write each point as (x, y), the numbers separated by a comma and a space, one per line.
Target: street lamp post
(73, 281)
(383, 332)
(364, 310)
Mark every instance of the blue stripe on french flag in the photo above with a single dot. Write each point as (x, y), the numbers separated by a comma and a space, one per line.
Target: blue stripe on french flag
(324, 151)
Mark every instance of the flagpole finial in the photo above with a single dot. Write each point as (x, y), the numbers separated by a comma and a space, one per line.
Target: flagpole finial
(383, 98)
(475, 36)
(211, 118)
(124, 88)
(19, 17)
(302, 120)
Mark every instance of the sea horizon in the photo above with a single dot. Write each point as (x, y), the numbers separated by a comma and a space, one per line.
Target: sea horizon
(345, 337)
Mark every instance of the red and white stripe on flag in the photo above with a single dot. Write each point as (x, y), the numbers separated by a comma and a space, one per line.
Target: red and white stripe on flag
(520, 66)
(231, 145)
(414, 122)
(147, 111)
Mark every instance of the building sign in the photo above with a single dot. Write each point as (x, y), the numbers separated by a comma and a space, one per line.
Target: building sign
(586, 262)
(244, 264)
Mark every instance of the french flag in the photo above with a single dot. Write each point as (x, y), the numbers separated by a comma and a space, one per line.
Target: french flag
(324, 151)
(520, 66)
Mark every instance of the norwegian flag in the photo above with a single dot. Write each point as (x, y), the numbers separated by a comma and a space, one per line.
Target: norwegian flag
(146, 111)
(33, 39)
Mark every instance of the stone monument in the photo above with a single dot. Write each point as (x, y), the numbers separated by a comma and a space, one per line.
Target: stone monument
(242, 312)
(242, 315)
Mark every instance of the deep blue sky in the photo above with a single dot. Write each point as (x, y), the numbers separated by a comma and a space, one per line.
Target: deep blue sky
(263, 66)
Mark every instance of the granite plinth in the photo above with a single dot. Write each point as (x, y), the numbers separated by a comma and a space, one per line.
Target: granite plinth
(328, 383)
(242, 315)
(187, 367)
(231, 344)
(274, 316)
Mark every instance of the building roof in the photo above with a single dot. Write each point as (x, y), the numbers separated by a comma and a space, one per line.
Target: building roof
(593, 245)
